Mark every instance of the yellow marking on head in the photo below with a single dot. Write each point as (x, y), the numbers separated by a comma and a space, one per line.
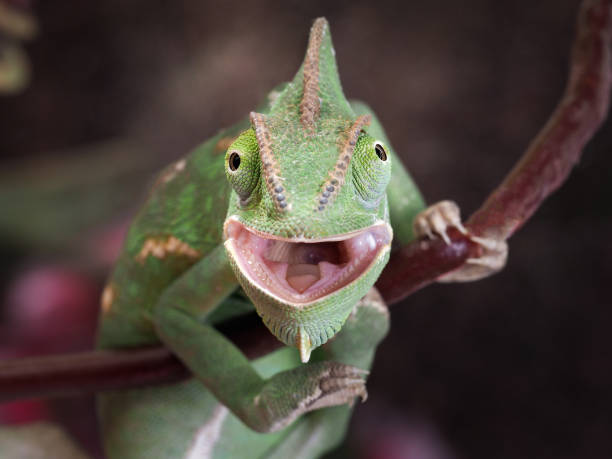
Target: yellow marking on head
(161, 247)
(107, 298)
(223, 144)
(269, 165)
(310, 105)
(337, 175)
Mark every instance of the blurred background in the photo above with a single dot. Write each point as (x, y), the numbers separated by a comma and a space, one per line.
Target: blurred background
(98, 96)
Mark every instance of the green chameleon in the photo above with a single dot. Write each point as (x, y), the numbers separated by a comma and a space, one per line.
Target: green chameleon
(292, 211)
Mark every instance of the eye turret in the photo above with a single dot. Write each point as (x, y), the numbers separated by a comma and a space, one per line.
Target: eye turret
(242, 165)
(371, 170)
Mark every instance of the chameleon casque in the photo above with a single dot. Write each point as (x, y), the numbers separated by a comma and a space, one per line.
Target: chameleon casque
(292, 211)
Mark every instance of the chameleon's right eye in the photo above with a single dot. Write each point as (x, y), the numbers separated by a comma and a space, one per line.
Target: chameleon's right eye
(242, 165)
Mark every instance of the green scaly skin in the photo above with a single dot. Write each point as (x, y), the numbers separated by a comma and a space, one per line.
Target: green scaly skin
(186, 257)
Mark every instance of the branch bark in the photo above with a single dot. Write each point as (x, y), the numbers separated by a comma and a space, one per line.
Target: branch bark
(542, 169)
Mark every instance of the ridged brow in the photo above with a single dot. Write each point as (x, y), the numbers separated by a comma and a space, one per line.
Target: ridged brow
(269, 164)
(337, 175)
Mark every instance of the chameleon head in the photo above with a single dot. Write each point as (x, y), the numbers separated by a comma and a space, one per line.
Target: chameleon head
(307, 231)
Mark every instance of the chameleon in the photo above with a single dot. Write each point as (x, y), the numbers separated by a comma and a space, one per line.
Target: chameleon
(291, 213)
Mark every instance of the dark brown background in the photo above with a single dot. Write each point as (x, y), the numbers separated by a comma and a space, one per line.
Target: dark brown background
(517, 365)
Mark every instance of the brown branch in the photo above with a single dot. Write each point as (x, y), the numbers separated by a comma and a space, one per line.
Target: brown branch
(558, 146)
(420, 263)
(73, 374)
(542, 169)
(86, 372)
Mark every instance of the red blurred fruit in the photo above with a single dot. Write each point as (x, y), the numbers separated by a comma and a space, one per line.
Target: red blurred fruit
(50, 309)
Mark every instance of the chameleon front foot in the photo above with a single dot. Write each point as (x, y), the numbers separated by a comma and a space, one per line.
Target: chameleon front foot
(292, 393)
(435, 221)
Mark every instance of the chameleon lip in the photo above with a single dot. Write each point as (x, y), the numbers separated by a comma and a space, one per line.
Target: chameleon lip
(300, 270)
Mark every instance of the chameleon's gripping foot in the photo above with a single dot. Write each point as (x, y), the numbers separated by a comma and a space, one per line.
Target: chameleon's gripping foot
(436, 219)
(434, 222)
(341, 385)
(307, 388)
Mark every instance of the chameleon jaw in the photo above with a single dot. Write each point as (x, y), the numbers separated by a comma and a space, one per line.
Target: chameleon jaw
(301, 271)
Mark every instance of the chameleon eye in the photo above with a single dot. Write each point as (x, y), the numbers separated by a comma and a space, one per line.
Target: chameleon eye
(234, 161)
(242, 166)
(380, 151)
(371, 170)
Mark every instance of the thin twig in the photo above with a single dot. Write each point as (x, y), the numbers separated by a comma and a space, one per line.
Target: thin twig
(542, 169)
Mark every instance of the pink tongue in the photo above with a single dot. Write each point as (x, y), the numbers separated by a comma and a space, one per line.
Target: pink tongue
(301, 276)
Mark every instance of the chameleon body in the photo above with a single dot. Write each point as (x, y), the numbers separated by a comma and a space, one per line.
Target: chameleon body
(290, 211)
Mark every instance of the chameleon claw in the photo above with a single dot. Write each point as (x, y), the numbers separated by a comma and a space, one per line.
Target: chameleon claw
(461, 228)
(439, 224)
(445, 237)
(361, 372)
(436, 219)
(363, 397)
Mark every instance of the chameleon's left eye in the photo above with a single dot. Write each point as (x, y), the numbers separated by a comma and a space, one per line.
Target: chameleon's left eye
(242, 165)
(371, 168)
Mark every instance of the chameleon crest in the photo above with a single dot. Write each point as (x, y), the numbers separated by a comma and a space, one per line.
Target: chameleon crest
(307, 231)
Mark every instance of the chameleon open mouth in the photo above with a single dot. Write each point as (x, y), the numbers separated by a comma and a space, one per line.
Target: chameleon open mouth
(301, 271)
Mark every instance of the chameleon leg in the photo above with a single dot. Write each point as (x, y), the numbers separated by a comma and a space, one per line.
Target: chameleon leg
(265, 405)
(355, 344)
